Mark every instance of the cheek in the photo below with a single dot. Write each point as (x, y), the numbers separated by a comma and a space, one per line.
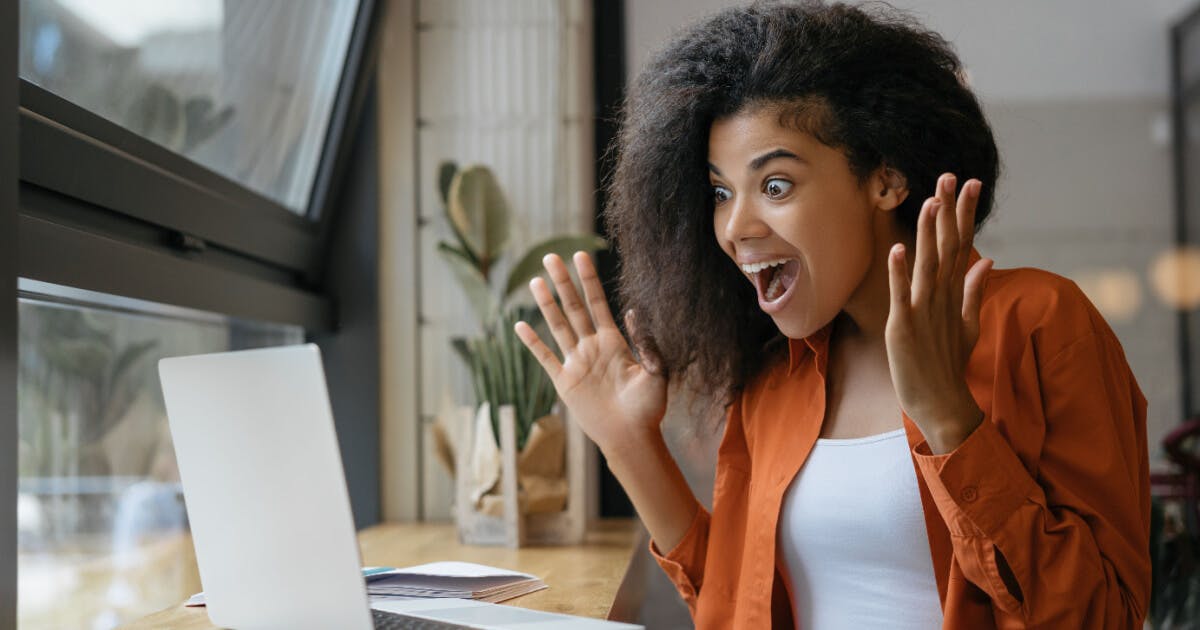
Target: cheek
(839, 257)
(718, 232)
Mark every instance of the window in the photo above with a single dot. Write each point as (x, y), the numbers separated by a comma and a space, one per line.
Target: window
(178, 169)
(242, 87)
(100, 514)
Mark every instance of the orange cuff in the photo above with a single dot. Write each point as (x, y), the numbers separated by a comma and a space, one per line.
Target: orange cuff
(684, 564)
(979, 484)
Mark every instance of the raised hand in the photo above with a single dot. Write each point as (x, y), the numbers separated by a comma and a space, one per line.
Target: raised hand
(933, 320)
(614, 397)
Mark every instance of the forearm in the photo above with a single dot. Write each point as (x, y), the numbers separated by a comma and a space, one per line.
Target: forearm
(650, 476)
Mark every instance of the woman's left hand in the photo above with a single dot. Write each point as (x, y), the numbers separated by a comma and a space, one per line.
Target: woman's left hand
(933, 320)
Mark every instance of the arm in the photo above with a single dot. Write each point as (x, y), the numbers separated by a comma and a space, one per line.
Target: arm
(617, 399)
(1067, 546)
(1061, 538)
(656, 486)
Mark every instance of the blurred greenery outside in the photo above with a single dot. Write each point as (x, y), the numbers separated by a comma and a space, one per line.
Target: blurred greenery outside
(101, 520)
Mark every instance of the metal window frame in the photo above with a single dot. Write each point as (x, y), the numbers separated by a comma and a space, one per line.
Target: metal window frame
(217, 246)
(8, 318)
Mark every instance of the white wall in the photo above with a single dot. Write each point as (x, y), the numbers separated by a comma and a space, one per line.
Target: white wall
(505, 84)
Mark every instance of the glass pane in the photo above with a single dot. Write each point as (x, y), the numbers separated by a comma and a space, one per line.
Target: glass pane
(243, 87)
(101, 521)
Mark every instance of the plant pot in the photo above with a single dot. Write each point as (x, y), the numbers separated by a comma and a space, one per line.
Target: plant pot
(478, 484)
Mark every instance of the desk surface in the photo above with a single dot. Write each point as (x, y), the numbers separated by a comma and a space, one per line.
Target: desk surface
(583, 579)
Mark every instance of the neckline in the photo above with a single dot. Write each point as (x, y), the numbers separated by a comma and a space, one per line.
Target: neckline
(861, 440)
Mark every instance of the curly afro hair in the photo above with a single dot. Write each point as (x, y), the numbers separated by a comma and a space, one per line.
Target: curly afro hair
(869, 81)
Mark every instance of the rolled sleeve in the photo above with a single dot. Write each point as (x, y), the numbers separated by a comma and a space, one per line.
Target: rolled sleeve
(979, 484)
(684, 564)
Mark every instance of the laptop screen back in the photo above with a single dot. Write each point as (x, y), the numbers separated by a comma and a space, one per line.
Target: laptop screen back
(265, 489)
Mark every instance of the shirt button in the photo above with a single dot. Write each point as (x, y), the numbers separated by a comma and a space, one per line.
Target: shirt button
(969, 494)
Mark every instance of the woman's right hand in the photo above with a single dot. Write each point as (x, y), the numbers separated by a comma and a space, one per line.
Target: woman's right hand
(615, 398)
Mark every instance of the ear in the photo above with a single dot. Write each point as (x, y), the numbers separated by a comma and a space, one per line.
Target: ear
(888, 188)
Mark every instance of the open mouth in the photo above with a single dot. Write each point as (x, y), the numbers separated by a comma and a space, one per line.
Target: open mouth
(773, 279)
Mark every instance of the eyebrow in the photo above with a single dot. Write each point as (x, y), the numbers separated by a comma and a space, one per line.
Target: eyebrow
(761, 161)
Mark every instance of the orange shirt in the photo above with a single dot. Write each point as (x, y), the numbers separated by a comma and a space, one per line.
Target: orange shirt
(1040, 518)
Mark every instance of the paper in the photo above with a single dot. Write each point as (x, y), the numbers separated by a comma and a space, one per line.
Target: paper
(451, 579)
(445, 569)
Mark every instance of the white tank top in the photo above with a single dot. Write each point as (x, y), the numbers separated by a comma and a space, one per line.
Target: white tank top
(852, 538)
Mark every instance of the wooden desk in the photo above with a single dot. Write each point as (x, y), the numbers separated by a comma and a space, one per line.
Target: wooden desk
(583, 580)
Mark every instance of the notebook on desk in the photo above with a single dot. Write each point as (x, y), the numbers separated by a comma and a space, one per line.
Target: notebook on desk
(270, 514)
(463, 580)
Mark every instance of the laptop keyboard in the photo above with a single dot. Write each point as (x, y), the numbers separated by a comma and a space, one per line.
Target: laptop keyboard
(393, 621)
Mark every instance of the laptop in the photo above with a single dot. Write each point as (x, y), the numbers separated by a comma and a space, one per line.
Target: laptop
(269, 511)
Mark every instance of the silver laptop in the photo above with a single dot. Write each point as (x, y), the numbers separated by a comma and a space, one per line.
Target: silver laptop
(270, 515)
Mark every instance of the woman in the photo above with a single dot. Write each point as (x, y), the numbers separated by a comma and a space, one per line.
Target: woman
(913, 439)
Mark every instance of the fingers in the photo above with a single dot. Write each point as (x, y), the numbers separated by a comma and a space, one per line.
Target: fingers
(573, 320)
(898, 282)
(973, 287)
(945, 237)
(947, 228)
(544, 355)
(965, 229)
(563, 334)
(577, 313)
(967, 204)
(593, 291)
(925, 264)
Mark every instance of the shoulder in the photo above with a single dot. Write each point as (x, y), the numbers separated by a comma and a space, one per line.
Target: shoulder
(1039, 307)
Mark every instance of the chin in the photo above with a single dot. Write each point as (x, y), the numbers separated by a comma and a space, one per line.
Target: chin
(798, 327)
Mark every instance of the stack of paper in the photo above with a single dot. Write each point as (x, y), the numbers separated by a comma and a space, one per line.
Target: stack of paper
(463, 580)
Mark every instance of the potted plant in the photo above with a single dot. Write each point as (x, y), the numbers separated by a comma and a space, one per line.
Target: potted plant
(518, 465)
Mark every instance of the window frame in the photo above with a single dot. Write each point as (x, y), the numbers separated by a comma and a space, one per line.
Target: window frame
(218, 246)
(8, 319)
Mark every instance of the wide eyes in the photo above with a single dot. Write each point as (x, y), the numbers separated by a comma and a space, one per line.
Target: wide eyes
(774, 188)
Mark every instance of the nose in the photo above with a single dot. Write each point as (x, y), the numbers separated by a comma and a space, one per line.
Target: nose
(739, 219)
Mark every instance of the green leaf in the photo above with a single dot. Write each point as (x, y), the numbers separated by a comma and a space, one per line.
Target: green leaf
(476, 364)
(473, 284)
(503, 372)
(446, 171)
(461, 349)
(530, 264)
(479, 212)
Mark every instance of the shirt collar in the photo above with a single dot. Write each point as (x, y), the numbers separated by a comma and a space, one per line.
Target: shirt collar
(816, 343)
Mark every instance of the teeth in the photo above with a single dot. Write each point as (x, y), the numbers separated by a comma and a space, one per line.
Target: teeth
(757, 267)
